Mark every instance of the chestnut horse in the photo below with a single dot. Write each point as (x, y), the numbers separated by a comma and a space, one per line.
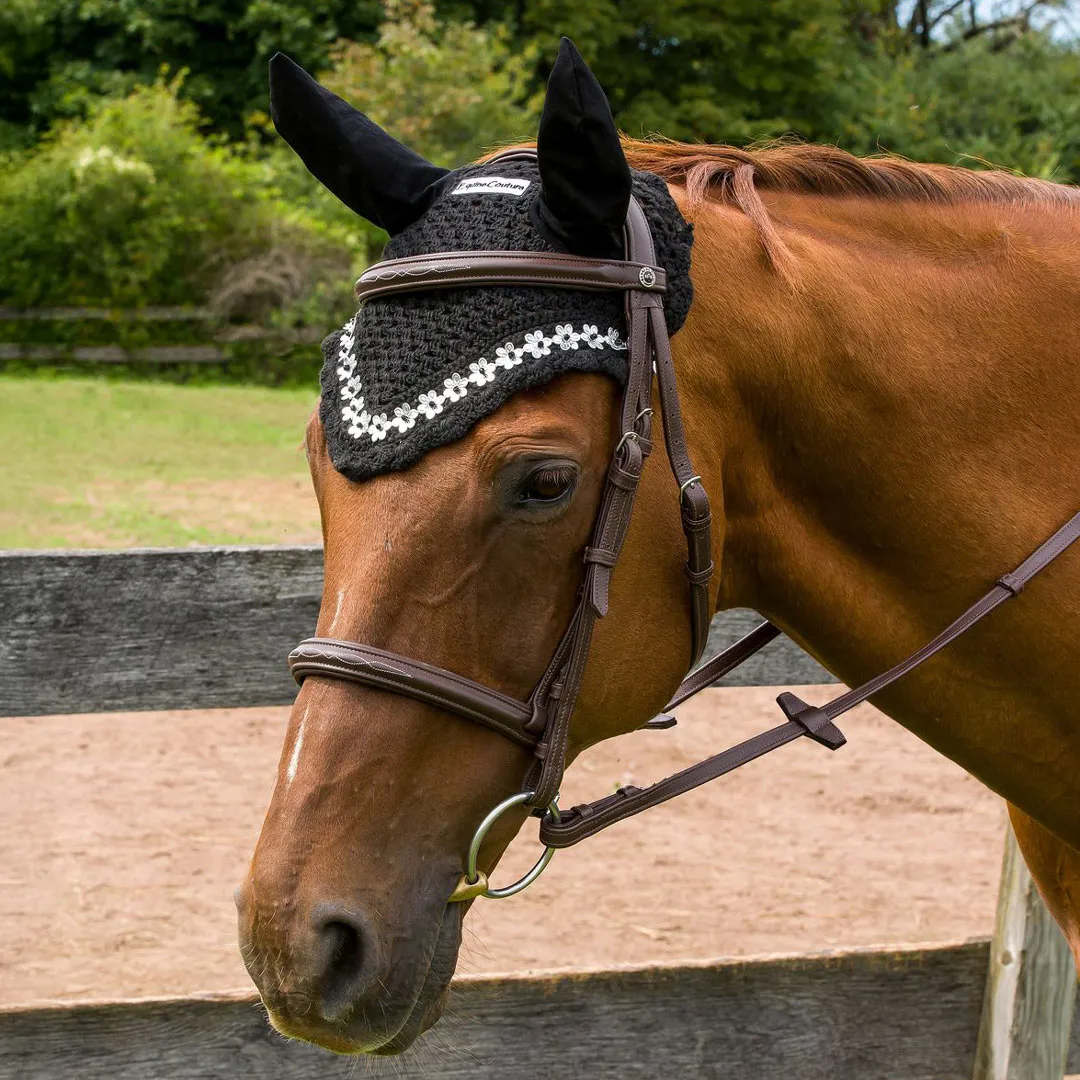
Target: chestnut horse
(880, 378)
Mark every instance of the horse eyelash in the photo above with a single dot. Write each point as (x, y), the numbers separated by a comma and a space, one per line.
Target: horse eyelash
(555, 474)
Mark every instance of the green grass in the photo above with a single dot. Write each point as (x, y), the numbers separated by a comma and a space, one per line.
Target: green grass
(95, 463)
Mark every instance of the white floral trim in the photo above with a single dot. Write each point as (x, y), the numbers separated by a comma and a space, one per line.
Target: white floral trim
(365, 423)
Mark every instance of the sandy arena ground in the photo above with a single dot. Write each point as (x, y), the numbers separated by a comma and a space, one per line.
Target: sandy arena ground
(122, 837)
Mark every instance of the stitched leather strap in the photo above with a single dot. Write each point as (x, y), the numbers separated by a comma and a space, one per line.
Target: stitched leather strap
(724, 663)
(464, 269)
(382, 670)
(558, 690)
(583, 821)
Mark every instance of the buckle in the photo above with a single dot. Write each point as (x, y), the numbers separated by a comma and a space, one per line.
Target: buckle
(688, 484)
(633, 435)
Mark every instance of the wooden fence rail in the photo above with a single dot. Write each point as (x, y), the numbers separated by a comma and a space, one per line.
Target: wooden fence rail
(871, 1014)
(217, 332)
(197, 629)
(205, 628)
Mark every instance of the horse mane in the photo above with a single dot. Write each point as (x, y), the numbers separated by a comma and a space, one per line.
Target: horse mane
(735, 175)
(811, 169)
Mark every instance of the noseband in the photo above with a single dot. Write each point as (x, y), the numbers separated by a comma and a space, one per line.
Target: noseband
(542, 723)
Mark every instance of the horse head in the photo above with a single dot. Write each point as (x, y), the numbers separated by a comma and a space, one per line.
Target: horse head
(460, 453)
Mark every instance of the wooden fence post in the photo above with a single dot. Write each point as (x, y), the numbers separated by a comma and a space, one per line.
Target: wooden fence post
(1030, 984)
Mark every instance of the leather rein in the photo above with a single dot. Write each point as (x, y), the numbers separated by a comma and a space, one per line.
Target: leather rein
(542, 723)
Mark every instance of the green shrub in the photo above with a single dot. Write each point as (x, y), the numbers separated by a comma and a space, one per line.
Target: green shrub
(134, 206)
(1016, 106)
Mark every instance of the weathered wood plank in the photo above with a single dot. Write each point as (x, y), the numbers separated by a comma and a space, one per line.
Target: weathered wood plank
(197, 628)
(114, 354)
(881, 1014)
(80, 314)
(1030, 996)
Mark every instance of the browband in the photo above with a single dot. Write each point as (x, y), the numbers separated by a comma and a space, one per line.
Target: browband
(460, 269)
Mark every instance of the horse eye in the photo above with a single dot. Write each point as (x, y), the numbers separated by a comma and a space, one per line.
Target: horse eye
(549, 484)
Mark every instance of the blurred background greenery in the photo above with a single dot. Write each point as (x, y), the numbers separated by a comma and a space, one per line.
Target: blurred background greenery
(139, 166)
(144, 194)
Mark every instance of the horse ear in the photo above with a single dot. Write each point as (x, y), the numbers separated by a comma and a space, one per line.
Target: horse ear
(367, 169)
(584, 178)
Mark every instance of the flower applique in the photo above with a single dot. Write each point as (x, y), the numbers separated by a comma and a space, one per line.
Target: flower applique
(376, 427)
(404, 416)
(507, 356)
(379, 427)
(592, 337)
(537, 344)
(430, 404)
(565, 337)
(456, 387)
(482, 372)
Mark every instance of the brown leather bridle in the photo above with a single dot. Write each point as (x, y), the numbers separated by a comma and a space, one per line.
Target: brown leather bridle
(542, 723)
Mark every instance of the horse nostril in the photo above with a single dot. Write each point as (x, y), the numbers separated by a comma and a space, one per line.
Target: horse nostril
(346, 964)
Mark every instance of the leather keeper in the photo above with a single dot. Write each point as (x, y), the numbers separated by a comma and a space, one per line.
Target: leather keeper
(817, 723)
(536, 723)
(642, 298)
(1013, 582)
(597, 584)
(696, 512)
(620, 478)
(700, 577)
(600, 556)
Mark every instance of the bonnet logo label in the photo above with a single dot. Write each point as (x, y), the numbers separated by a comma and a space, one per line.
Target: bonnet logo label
(491, 185)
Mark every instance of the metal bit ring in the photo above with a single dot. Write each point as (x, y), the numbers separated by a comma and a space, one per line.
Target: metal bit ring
(474, 882)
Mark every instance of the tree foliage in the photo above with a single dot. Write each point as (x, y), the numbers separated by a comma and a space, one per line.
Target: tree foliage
(1015, 107)
(447, 89)
(124, 185)
(57, 56)
(692, 69)
(134, 206)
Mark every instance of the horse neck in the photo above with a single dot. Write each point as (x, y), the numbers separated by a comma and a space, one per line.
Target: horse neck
(887, 420)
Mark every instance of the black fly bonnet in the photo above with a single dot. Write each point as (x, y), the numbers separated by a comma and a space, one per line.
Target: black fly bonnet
(408, 374)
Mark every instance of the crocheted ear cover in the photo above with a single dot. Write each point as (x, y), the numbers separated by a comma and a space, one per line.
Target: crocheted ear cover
(410, 373)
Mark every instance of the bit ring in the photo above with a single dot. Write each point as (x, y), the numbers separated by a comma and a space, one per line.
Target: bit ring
(474, 882)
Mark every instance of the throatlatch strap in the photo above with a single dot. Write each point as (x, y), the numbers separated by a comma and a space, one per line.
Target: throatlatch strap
(583, 821)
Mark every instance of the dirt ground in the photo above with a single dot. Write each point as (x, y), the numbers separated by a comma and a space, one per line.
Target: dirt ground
(123, 835)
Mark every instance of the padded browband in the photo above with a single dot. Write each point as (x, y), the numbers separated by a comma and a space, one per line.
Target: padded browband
(456, 270)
